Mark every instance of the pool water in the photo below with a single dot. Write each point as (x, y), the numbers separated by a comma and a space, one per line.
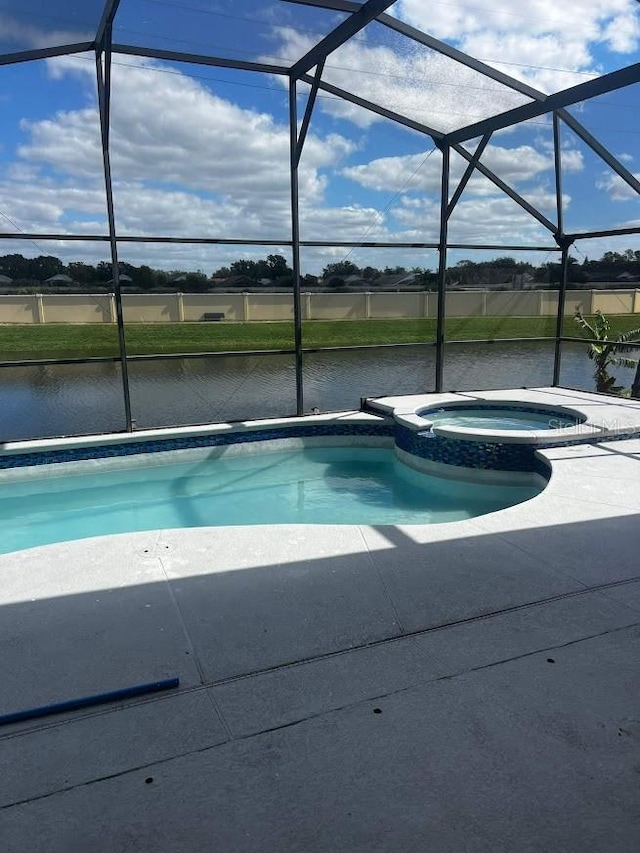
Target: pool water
(328, 485)
(498, 418)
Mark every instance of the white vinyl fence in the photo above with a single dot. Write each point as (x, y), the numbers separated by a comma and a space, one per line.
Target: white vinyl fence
(253, 307)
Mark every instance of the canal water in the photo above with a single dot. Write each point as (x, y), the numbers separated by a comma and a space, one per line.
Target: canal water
(54, 400)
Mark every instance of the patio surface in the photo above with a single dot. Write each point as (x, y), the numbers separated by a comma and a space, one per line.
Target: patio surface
(471, 686)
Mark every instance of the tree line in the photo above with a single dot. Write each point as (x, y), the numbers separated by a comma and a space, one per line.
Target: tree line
(274, 270)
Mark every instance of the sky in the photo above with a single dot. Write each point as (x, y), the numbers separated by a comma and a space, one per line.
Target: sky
(201, 151)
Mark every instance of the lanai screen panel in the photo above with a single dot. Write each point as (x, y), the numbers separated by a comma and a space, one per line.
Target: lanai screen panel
(246, 30)
(549, 47)
(401, 75)
(35, 24)
(194, 155)
(51, 177)
(613, 120)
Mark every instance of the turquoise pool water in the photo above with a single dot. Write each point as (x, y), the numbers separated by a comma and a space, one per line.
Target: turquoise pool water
(498, 418)
(329, 485)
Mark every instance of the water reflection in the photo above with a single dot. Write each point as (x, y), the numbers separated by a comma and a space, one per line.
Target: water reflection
(50, 400)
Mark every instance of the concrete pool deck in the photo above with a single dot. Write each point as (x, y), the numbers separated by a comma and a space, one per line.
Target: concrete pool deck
(465, 686)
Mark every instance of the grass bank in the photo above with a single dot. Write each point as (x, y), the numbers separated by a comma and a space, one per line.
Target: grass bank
(67, 341)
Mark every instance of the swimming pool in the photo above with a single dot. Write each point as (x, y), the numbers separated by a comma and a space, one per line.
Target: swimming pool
(309, 485)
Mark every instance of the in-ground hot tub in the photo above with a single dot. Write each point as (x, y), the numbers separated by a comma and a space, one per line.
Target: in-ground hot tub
(500, 417)
(495, 438)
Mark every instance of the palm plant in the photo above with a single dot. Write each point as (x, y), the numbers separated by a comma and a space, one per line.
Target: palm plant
(607, 353)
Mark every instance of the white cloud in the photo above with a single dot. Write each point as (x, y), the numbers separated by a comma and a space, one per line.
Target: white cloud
(535, 59)
(496, 220)
(187, 162)
(572, 160)
(623, 32)
(196, 139)
(616, 188)
(15, 35)
(397, 174)
(535, 42)
(407, 79)
(520, 163)
(478, 220)
(198, 165)
(545, 200)
(539, 34)
(356, 222)
(420, 172)
(69, 142)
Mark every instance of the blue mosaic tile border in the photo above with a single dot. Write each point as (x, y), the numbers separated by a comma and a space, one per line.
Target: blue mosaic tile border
(48, 457)
(493, 456)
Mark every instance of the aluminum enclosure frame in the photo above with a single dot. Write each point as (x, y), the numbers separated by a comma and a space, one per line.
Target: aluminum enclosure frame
(359, 15)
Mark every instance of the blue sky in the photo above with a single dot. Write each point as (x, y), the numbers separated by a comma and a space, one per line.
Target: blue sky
(203, 151)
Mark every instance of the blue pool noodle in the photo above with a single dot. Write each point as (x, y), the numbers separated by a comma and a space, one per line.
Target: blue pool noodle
(88, 701)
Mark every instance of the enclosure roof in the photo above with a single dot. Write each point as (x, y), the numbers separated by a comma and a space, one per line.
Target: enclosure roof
(377, 56)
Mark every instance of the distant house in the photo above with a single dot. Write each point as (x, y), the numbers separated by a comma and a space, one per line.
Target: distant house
(385, 281)
(123, 278)
(5, 281)
(240, 281)
(59, 278)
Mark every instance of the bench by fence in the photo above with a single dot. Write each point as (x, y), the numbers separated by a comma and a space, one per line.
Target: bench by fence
(213, 315)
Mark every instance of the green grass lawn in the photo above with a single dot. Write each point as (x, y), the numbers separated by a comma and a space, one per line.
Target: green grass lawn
(68, 341)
